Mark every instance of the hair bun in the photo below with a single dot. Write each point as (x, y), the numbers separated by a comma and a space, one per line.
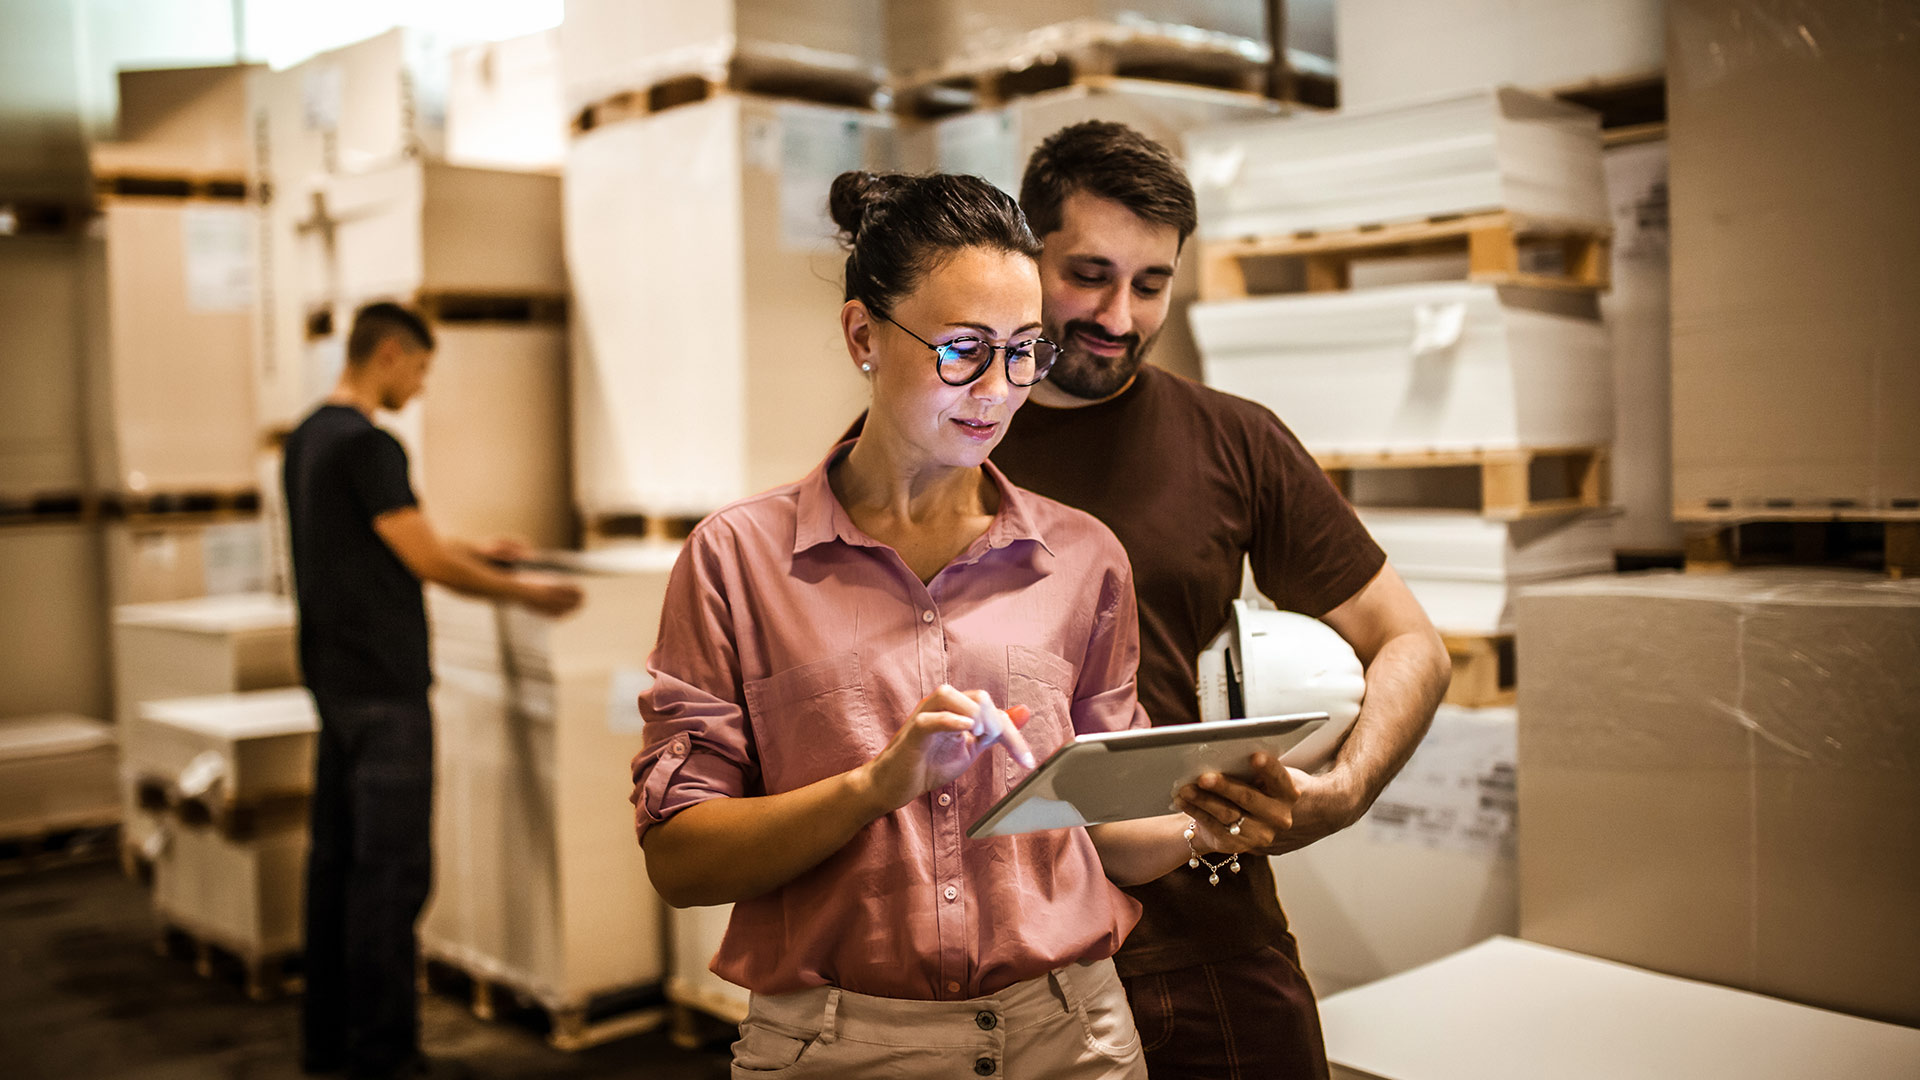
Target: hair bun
(854, 196)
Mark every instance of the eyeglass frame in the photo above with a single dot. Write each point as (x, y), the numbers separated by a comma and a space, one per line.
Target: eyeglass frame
(992, 351)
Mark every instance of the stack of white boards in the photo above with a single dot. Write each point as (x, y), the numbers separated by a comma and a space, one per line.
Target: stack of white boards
(540, 884)
(1513, 1010)
(1466, 570)
(56, 774)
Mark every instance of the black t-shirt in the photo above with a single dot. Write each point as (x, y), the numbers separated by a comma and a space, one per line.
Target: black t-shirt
(363, 620)
(1191, 480)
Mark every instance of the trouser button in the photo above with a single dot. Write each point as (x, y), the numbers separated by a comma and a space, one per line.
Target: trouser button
(987, 1021)
(983, 1067)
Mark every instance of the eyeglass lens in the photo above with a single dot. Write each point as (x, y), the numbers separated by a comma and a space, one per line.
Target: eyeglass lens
(965, 359)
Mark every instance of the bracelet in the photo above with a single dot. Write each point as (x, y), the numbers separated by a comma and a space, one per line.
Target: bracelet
(1196, 860)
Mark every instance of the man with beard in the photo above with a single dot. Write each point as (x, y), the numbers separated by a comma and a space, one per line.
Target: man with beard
(1192, 481)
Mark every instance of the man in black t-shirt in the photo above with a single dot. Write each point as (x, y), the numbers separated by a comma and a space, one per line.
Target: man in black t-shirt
(1192, 481)
(361, 549)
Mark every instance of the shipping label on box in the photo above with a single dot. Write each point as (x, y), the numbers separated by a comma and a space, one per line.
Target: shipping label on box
(219, 253)
(1458, 790)
(816, 145)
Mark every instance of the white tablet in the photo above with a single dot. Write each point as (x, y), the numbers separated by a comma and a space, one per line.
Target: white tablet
(1123, 775)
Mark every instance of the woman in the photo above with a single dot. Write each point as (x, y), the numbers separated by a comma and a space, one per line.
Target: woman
(824, 722)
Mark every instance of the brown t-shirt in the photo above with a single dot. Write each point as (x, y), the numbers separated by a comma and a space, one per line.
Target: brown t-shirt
(1192, 479)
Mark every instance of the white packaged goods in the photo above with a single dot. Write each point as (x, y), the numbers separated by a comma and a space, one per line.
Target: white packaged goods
(1639, 319)
(708, 362)
(612, 47)
(995, 144)
(1442, 831)
(1496, 149)
(927, 37)
(159, 559)
(226, 749)
(361, 106)
(1466, 570)
(539, 881)
(172, 388)
(56, 772)
(53, 632)
(1448, 365)
(1513, 1010)
(1392, 52)
(244, 895)
(193, 648)
(695, 935)
(180, 123)
(504, 106)
(41, 306)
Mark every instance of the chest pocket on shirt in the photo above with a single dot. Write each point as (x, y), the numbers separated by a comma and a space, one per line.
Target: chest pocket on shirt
(811, 722)
(1044, 683)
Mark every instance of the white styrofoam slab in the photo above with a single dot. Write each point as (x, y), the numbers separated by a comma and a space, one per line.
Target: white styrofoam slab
(1465, 546)
(234, 718)
(55, 733)
(1513, 1010)
(1497, 149)
(238, 613)
(1445, 365)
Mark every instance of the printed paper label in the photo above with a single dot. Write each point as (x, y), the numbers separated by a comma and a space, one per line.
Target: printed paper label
(219, 251)
(1457, 792)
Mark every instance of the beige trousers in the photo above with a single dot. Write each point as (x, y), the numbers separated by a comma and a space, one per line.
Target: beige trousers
(1071, 1024)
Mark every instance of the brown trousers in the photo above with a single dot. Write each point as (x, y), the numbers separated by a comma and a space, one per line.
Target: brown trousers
(1251, 1017)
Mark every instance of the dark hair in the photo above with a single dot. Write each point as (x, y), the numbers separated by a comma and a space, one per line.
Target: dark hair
(376, 323)
(1114, 162)
(898, 227)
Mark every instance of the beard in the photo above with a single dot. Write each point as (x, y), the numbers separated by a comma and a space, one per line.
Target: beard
(1089, 375)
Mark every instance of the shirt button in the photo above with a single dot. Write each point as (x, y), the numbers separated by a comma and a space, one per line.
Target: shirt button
(983, 1067)
(945, 799)
(986, 1020)
(952, 893)
(953, 988)
(926, 616)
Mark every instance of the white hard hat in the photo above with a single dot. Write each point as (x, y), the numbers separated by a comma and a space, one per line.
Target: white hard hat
(1278, 663)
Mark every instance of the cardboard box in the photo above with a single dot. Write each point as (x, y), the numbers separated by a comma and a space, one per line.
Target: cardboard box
(172, 391)
(361, 106)
(246, 896)
(56, 773)
(996, 143)
(539, 882)
(53, 621)
(1466, 570)
(1638, 314)
(1450, 365)
(505, 109)
(1794, 228)
(1494, 149)
(159, 559)
(752, 289)
(227, 750)
(926, 37)
(181, 122)
(41, 307)
(1391, 53)
(1716, 780)
(194, 648)
(611, 47)
(1511, 1010)
(1428, 871)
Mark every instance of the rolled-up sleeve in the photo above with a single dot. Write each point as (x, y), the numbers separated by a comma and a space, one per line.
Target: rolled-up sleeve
(695, 743)
(1106, 698)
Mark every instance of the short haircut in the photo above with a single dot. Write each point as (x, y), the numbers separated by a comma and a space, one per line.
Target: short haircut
(1112, 161)
(375, 323)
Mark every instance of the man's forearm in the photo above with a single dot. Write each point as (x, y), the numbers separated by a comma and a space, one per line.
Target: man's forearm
(1405, 684)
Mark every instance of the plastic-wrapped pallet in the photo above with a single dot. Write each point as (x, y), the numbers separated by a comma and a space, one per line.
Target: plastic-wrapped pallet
(1442, 831)
(708, 363)
(1466, 570)
(1392, 52)
(929, 37)
(1638, 314)
(611, 47)
(1449, 365)
(244, 895)
(1496, 149)
(56, 773)
(225, 751)
(539, 882)
(504, 104)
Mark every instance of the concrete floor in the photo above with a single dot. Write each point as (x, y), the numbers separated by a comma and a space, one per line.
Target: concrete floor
(84, 994)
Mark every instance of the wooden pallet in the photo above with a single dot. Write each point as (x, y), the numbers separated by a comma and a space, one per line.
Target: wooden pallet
(1884, 546)
(63, 843)
(606, 1018)
(543, 309)
(1632, 109)
(701, 1017)
(49, 508)
(1498, 245)
(1514, 484)
(235, 820)
(42, 217)
(169, 505)
(262, 976)
(221, 187)
(1483, 670)
(745, 73)
(639, 527)
(1148, 57)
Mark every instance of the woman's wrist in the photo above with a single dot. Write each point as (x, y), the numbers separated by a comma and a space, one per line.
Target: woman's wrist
(864, 794)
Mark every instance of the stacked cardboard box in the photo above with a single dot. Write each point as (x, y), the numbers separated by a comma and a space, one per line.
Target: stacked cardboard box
(1716, 780)
(181, 557)
(505, 108)
(1508, 1010)
(53, 620)
(56, 773)
(42, 306)
(539, 882)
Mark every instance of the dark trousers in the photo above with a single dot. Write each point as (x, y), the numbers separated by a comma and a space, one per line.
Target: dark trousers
(1251, 1017)
(367, 878)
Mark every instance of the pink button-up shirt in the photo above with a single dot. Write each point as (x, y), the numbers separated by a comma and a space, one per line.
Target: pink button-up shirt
(792, 647)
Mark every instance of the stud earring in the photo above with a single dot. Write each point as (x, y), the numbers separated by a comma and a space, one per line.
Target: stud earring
(866, 367)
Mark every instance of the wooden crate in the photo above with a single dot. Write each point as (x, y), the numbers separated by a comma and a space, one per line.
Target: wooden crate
(1483, 670)
(1510, 480)
(1886, 541)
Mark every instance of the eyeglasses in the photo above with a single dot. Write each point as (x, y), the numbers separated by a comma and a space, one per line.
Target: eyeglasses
(965, 359)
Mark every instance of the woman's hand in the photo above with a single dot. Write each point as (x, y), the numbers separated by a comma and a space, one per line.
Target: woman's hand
(947, 733)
